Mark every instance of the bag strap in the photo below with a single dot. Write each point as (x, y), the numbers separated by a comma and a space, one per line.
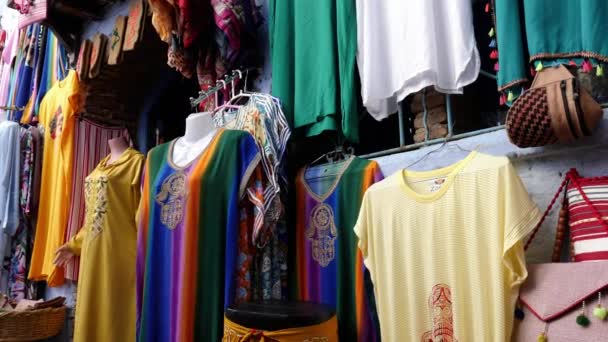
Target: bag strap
(548, 210)
(571, 176)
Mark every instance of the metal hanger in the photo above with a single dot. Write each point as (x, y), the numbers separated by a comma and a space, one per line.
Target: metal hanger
(443, 145)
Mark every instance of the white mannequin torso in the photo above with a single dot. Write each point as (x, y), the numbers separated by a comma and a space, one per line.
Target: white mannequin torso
(199, 132)
(2, 115)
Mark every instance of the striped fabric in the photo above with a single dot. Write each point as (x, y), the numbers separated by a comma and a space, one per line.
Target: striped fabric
(588, 236)
(188, 256)
(329, 266)
(91, 145)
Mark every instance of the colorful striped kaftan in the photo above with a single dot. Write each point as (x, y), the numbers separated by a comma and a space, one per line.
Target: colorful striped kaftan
(187, 256)
(330, 267)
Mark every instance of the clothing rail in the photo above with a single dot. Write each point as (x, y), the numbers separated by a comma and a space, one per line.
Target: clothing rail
(219, 84)
(427, 141)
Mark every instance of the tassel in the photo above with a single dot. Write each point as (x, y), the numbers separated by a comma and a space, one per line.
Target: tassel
(487, 9)
(539, 66)
(532, 71)
(494, 54)
(502, 100)
(542, 337)
(599, 71)
(600, 312)
(510, 98)
(582, 320)
(571, 62)
(492, 43)
(491, 33)
(496, 67)
(587, 66)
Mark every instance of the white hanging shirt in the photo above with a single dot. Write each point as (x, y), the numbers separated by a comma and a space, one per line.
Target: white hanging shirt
(405, 46)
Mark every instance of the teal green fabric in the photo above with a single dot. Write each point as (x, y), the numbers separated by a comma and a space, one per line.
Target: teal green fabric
(554, 30)
(313, 47)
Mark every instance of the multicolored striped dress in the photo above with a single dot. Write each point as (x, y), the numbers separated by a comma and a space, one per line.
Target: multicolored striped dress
(188, 259)
(330, 266)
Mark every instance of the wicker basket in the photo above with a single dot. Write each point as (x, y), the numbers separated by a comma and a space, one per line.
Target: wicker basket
(31, 325)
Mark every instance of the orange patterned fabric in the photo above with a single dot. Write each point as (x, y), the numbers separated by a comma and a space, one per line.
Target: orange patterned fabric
(324, 332)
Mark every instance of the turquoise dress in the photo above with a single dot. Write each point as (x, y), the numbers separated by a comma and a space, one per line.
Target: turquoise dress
(552, 31)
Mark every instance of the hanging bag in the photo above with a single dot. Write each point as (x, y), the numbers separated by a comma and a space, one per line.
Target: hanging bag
(564, 302)
(556, 108)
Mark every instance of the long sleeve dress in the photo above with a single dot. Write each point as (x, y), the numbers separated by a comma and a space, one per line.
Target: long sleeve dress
(105, 303)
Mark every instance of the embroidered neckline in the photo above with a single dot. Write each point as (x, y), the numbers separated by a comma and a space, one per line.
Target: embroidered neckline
(324, 196)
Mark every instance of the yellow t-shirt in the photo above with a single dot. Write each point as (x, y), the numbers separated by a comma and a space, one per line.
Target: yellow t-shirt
(57, 118)
(444, 250)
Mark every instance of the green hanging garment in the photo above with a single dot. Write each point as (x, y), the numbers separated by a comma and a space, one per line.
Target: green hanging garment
(554, 31)
(313, 51)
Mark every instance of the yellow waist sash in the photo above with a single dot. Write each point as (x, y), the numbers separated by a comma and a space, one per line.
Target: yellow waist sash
(324, 332)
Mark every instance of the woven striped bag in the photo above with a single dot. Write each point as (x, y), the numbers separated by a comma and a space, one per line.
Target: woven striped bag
(588, 216)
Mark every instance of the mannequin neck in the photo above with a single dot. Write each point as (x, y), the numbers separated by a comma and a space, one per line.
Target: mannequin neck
(199, 132)
(198, 126)
(117, 147)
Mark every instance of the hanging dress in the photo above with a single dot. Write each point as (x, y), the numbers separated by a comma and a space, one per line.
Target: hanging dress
(329, 265)
(57, 117)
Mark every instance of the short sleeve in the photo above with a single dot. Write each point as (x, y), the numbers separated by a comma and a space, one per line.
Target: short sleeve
(362, 228)
(250, 159)
(520, 213)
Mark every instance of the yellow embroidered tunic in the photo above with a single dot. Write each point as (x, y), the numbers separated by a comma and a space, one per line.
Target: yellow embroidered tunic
(105, 304)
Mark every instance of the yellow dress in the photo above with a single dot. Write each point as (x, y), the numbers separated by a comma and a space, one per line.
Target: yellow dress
(105, 302)
(57, 118)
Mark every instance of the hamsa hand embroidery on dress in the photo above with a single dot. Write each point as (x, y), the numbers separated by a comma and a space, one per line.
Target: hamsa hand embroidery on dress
(171, 199)
(322, 234)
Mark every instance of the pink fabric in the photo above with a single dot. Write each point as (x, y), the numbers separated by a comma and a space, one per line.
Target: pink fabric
(8, 54)
(552, 297)
(34, 13)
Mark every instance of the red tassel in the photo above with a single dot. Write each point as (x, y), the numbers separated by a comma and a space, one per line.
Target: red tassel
(496, 67)
(532, 71)
(502, 99)
(494, 54)
(571, 62)
(487, 8)
(587, 67)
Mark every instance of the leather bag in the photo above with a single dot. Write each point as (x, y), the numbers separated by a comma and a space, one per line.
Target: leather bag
(555, 109)
(556, 294)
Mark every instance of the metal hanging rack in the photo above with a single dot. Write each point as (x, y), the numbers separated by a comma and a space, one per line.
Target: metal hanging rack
(219, 85)
(12, 108)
